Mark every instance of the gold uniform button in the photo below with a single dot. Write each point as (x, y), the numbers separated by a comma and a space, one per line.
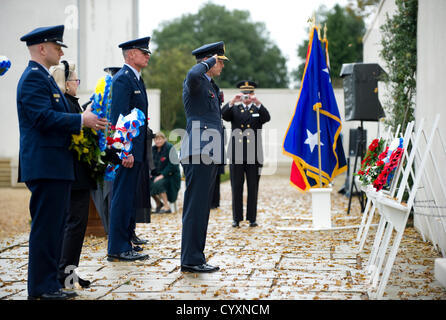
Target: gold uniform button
(240, 133)
(240, 140)
(241, 126)
(247, 141)
(248, 126)
(247, 133)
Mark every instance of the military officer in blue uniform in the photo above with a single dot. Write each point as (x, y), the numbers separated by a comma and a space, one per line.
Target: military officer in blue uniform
(247, 116)
(128, 92)
(202, 149)
(45, 161)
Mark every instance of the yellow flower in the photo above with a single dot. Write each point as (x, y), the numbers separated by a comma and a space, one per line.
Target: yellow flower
(100, 88)
(78, 137)
(85, 150)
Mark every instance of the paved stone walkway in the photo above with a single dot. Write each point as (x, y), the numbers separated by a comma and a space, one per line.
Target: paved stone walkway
(266, 262)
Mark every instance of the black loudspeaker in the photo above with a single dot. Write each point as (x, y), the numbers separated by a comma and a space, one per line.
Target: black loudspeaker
(360, 81)
(356, 138)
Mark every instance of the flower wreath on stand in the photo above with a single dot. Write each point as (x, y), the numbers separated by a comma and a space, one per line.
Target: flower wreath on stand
(372, 164)
(390, 163)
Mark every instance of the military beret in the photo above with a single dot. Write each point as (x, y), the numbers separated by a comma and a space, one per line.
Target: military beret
(208, 50)
(246, 86)
(45, 34)
(141, 44)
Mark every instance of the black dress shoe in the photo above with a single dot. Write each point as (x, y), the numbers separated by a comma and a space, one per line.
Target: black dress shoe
(137, 241)
(127, 256)
(253, 224)
(158, 208)
(58, 295)
(83, 283)
(165, 211)
(69, 293)
(235, 224)
(137, 248)
(201, 268)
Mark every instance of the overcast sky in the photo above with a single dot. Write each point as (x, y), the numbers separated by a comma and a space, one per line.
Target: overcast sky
(285, 20)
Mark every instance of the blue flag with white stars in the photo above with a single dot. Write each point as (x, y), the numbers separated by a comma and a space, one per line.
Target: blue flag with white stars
(301, 138)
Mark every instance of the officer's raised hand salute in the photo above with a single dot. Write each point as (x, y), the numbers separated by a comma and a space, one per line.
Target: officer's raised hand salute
(199, 156)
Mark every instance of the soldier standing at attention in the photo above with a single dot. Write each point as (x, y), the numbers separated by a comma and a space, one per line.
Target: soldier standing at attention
(247, 116)
(45, 162)
(128, 92)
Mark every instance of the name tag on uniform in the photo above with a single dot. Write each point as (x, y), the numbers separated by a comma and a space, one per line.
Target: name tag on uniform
(56, 95)
(255, 115)
(137, 91)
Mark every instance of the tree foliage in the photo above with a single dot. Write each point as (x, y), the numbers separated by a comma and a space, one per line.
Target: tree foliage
(165, 71)
(344, 33)
(399, 50)
(362, 8)
(252, 55)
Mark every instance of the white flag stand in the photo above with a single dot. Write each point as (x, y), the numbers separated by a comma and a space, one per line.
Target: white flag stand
(321, 206)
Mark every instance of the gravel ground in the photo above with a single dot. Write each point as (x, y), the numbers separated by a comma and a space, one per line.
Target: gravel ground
(14, 212)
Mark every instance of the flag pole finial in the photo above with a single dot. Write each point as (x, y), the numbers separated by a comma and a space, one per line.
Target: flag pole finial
(312, 20)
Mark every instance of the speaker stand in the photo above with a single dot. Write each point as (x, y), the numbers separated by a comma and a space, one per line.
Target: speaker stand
(359, 153)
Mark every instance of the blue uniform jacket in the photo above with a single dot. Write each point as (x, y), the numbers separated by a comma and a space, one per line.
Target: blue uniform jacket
(129, 93)
(46, 126)
(204, 128)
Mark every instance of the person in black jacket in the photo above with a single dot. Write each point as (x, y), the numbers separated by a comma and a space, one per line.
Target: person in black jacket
(247, 116)
(77, 218)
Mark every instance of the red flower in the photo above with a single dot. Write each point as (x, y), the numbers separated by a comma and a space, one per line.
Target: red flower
(383, 154)
(163, 158)
(374, 145)
(379, 163)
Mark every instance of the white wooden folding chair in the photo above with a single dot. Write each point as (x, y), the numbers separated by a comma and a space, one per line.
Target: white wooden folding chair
(394, 214)
(369, 210)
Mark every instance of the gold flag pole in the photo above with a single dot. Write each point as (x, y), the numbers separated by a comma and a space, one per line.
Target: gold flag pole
(318, 106)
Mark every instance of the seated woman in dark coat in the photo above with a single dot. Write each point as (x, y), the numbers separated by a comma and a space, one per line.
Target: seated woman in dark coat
(166, 179)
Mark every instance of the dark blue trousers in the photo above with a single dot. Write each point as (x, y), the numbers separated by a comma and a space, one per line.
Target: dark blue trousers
(48, 206)
(199, 181)
(123, 211)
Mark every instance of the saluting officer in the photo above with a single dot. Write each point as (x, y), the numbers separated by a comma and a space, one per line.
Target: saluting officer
(202, 149)
(247, 116)
(128, 92)
(45, 162)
